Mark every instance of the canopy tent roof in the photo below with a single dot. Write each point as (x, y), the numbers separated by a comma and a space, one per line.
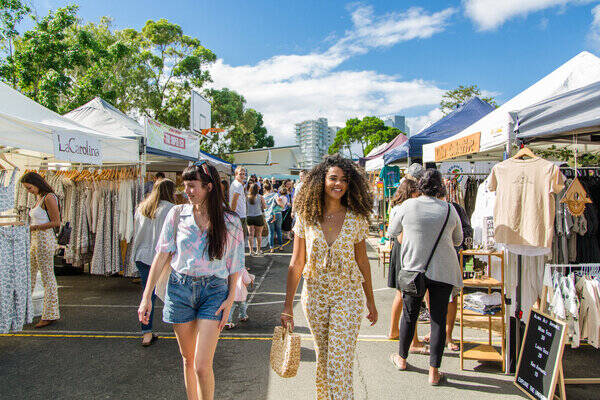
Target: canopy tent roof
(470, 112)
(25, 124)
(374, 160)
(561, 117)
(496, 127)
(101, 115)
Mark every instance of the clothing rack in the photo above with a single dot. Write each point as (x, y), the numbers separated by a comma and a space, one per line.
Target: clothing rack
(587, 269)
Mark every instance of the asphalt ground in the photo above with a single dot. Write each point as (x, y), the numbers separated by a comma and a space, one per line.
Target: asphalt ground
(94, 351)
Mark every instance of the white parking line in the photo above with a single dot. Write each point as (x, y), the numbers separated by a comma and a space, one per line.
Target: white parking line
(262, 278)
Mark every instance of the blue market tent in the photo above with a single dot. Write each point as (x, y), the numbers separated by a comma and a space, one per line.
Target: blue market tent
(451, 124)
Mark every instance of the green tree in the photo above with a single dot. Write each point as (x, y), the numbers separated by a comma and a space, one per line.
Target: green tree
(11, 13)
(228, 112)
(456, 97)
(261, 136)
(369, 132)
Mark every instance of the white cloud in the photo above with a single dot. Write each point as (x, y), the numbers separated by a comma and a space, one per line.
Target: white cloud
(491, 14)
(594, 33)
(292, 88)
(417, 124)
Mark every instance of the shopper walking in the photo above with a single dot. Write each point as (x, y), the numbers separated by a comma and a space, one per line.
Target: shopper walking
(279, 201)
(237, 197)
(330, 252)
(44, 218)
(241, 295)
(421, 220)
(256, 220)
(203, 243)
(149, 220)
(406, 190)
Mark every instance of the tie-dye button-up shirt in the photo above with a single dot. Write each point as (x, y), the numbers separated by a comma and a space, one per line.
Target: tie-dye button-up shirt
(191, 250)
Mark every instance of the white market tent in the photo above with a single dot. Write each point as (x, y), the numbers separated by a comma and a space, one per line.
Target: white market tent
(496, 128)
(100, 115)
(27, 125)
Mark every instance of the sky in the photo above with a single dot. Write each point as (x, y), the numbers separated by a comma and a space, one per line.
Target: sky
(297, 60)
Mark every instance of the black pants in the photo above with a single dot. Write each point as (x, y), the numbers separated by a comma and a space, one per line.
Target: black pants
(439, 296)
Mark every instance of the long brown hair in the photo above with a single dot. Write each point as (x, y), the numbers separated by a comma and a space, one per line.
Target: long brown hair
(310, 199)
(215, 207)
(163, 190)
(225, 187)
(35, 179)
(252, 192)
(405, 191)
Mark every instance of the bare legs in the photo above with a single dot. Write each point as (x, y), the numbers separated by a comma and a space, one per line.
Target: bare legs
(251, 230)
(197, 343)
(258, 230)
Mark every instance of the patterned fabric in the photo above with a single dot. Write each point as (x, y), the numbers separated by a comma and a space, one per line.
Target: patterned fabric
(565, 305)
(16, 308)
(7, 194)
(191, 249)
(43, 244)
(341, 253)
(333, 307)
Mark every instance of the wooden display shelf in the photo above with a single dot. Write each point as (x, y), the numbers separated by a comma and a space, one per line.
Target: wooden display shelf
(486, 281)
(471, 313)
(483, 352)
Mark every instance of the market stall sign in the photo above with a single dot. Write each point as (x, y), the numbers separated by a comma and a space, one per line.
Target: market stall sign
(541, 356)
(459, 147)
(164, 137)
(576, 198)
(76, 147)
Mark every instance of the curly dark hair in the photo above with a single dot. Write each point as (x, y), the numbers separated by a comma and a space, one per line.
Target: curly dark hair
(405, 191)
(310, 200)
(431, 183)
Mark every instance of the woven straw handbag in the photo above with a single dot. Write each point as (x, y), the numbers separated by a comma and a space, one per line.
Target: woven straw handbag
(285, 352)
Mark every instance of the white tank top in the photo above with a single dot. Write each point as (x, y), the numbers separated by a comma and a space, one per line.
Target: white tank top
(38, 215)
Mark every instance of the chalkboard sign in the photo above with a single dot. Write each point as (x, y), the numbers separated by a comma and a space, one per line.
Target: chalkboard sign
(541, 356)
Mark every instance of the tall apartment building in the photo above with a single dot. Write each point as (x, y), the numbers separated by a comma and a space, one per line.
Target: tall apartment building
(314, 138)
(398, 121)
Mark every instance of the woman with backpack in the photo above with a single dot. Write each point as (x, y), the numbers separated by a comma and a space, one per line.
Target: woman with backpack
(202, 243)
(276, 202)
(44, 218)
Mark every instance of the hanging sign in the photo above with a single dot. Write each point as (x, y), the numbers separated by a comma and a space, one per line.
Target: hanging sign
(576, 198)
(459, 147)
(540, 360)
(164, 137)
(76, 147)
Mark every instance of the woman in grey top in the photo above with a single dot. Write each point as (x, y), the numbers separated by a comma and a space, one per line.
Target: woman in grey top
(421, 220)
(149, 220)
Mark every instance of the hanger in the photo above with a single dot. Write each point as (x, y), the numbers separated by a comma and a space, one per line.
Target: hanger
(524, 152)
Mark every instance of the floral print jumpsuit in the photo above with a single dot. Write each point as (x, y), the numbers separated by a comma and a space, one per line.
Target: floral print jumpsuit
(332, 300)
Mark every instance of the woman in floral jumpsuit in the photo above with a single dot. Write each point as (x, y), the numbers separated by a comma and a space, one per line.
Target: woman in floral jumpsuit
(332, 211)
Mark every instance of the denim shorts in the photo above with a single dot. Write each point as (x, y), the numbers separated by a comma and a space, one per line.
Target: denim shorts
(189, 298)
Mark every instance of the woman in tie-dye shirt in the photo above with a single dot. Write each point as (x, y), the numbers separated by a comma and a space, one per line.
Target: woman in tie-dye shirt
(203, 242)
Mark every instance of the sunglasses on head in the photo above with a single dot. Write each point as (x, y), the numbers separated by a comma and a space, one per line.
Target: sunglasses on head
(204, 165)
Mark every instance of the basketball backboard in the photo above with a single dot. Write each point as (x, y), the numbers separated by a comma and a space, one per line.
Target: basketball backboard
(199, 113)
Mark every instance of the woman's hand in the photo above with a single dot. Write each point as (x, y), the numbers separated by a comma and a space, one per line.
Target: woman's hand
(372, 316)
(144, 311)
(226, 308)
(287, 319)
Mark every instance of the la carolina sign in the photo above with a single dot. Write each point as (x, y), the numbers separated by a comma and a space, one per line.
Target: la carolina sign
(75, 147)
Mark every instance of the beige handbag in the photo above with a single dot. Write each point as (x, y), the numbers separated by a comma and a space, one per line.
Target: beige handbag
(285, 352)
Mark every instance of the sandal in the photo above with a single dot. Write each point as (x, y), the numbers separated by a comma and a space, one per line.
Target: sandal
(452, 346)
(44, 323)
(441, 380)
(245, 319)
(423, 350)
(394, 360)
(151, 342)
(229, 325)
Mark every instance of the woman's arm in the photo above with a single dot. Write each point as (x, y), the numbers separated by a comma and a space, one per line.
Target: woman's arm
(158, 264)
(360, 252)
(457, 233)
(280, 200)
(263, 203)
(293, 279)
(51, 206)
(395, 227)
